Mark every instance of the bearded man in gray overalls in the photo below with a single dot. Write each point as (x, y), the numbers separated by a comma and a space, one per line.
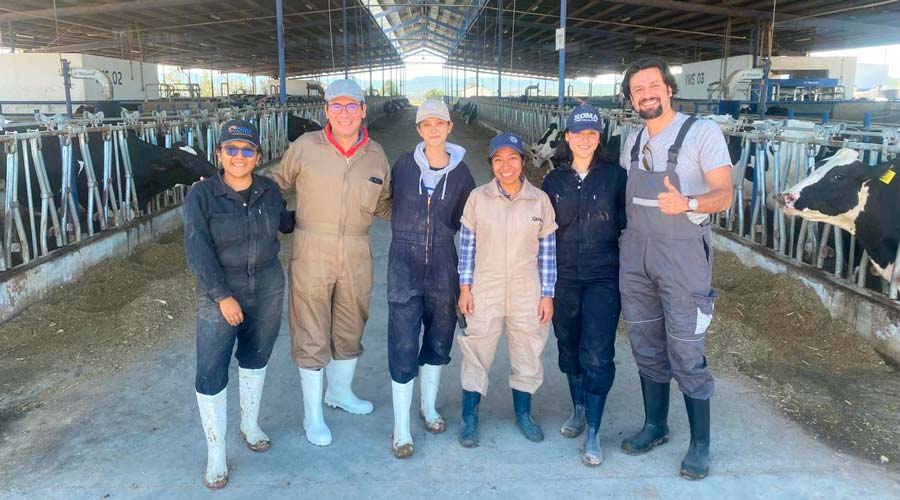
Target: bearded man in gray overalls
(678, 174)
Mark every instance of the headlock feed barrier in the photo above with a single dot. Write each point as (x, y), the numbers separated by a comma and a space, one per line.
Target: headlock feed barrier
(790, 148)
(42, 207)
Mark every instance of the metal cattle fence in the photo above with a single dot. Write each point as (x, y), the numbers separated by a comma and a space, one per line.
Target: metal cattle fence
(790, 149)
(49, 208)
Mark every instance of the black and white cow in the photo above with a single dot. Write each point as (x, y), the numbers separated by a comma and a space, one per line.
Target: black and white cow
(861, 199)
(154, 169)
(469, 112)
(298, 126)
(543, 150)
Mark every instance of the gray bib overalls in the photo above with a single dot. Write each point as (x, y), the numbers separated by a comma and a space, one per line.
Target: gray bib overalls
(665, 272)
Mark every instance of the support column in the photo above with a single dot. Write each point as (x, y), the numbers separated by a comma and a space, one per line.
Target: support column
(562, 64)
(478, 62)
(369, 55)
(282, 79)
(346, 47)
(465, 64)
(499, 48)
(67, 84)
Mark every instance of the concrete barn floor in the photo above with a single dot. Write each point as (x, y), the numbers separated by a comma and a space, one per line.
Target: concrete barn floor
(136, 434)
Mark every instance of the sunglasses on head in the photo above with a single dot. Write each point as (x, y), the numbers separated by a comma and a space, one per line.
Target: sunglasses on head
(245, 152)
(350, 108)
(647, 160)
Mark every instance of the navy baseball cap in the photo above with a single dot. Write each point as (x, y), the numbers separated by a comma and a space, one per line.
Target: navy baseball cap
(507, 140)
(584, 117)
(239, 130)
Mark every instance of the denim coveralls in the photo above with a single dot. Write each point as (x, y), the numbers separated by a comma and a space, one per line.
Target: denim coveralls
(423, 282)
(590, 214)
(232, 247)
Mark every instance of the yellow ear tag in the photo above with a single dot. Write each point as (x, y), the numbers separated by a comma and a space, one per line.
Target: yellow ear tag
(887, 177)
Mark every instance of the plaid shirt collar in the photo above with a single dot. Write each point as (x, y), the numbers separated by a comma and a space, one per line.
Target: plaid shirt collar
(527, 192)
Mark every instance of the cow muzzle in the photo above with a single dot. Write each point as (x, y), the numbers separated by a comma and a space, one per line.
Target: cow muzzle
(785, 200)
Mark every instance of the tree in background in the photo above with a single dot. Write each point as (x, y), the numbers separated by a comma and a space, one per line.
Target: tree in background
(434, 94)
(389, 88)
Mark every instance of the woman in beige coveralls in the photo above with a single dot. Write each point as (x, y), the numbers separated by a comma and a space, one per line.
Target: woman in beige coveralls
(507, 275)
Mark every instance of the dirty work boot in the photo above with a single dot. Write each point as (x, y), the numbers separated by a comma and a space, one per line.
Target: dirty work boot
(468, 429)
(591, 454)
(574, 426)
(429, 381)
(656, 414)
(522, 405)
(251, 388)
(696, 462)
(212, 416)
(317, 432)
(339, 393)
(402, 443)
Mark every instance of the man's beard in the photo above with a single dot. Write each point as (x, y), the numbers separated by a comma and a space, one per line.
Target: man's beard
(652, 113)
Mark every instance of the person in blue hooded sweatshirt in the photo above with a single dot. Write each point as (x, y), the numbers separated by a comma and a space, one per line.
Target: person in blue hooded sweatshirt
(430, 187)
(587, 190)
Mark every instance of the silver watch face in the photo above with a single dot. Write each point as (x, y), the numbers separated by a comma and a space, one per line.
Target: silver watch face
(693, 204)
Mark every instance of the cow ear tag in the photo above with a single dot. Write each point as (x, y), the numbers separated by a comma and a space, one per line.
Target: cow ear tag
(887, 177)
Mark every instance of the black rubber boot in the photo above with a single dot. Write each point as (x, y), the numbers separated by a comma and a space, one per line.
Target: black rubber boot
(574, 426)
(656, 414)
(696, 463)
(468, 429)
(592, 454)
(522, 405)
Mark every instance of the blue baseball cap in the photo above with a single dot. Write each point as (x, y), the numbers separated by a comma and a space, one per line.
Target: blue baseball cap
(507, 140)
(239, 130)
(584, 117)
(344, 88)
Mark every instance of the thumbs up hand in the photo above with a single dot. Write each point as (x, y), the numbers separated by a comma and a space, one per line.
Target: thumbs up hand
(672, 202)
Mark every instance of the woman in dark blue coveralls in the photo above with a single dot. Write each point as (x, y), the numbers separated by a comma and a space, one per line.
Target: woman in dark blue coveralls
(587, 191)
(430, 186)
(231, 224)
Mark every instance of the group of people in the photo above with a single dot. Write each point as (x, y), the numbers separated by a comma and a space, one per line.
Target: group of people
(594, 241)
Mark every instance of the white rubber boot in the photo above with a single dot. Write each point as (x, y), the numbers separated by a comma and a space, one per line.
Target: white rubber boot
(213, 417)
(402, 444)
(251, 387)
(317, 432)
(430, 381)
(340, 393)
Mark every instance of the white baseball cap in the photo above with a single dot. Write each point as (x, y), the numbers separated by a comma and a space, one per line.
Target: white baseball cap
(432, 108)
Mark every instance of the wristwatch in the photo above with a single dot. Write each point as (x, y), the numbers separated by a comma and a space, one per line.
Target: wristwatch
(693, 204)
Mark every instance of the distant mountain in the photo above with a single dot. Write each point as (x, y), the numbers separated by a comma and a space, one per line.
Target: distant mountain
(417, 87)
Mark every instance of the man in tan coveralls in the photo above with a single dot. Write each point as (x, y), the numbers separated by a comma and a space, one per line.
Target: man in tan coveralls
(342, 180)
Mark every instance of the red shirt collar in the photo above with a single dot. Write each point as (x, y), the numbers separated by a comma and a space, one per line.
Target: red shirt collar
(363, 138)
